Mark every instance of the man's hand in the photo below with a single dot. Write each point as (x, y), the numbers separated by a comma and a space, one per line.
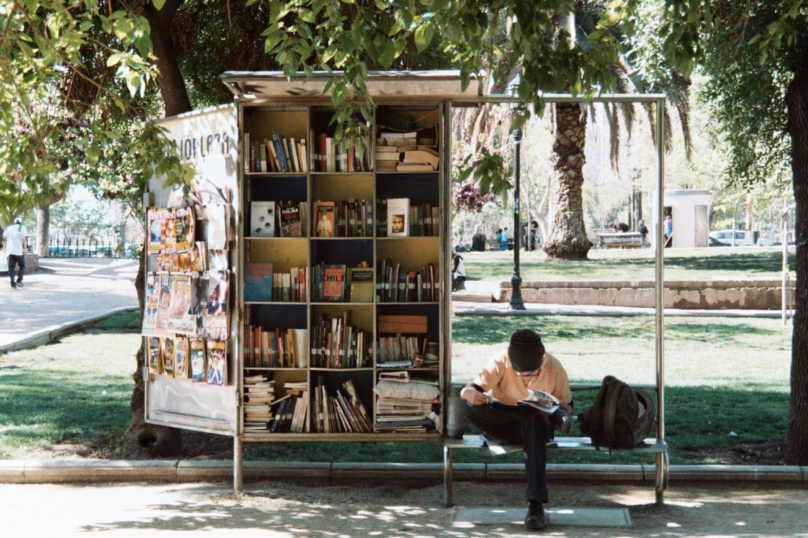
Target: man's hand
(473, 396)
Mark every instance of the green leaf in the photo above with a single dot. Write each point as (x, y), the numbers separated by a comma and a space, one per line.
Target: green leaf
(114, 59)
(423, 36)
(159, 4)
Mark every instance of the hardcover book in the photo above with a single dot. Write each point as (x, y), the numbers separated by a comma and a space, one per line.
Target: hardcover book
(398, 217)
(217, 363)
(361, 284)
(324, 219)
(262, 219)
(257, 282)
(290, 220)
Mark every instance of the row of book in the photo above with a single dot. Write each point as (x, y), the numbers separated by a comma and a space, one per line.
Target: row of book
(291, 411)
(353, 218)
(404, 404)
(341, 412)
(329, 156)
(281, 219)
(204, 361)
(275, 348)
(275, 155)
(406, 158)
(259, 395)
(338, 283)
(335, 343)
(404, 351)
(262, 284)
(397, 218)
(396, 284)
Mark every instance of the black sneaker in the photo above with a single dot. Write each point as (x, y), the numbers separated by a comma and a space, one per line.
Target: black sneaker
(535, 519)
(13, 286)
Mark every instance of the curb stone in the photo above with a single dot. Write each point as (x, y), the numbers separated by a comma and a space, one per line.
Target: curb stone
(49, 334)
(82, 471)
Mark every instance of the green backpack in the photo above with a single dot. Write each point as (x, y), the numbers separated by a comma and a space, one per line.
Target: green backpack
(621, 416)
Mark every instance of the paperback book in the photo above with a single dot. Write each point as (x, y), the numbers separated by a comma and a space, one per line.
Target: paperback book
(262, 219)
(257, 282)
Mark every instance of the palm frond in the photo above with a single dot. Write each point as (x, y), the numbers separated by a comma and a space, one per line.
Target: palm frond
(681, 96)
(614, 138)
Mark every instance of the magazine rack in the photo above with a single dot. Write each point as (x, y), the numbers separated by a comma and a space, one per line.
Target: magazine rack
(218, 143)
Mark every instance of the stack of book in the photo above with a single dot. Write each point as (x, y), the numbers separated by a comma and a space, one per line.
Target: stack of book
(335, 343)
(418, 159)
(404, 410)
(293, 410)
(275, 155)
(387, 158)
(341, 412)
(259, 395)
(336, 157)
(396, 284)
(353, 218)
(400, 351)
(275, 348)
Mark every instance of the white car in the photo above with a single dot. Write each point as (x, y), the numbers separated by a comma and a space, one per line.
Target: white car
(725, 237)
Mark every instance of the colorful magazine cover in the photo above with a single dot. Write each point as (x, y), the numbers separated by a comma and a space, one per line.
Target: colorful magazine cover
(181, 366)
(152, 300)
(163, 307)
(216, 311)
(198, 362)
(155, 361)
(217, 363)
(169, 233)
(180, 319)
(155, 219)
(184, 226)
(167, 353)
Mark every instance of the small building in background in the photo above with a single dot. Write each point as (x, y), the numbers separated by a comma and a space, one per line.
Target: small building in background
(690, 212)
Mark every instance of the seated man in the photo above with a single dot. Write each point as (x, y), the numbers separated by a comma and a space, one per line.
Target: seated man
(508, 376)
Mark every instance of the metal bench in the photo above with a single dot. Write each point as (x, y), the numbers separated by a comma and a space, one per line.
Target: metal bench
(620, 240)
(651, 445)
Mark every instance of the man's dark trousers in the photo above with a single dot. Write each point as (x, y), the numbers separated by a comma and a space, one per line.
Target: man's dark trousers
(13, 261)
(509, 424)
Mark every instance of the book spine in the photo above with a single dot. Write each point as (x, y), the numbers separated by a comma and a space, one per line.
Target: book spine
(276, 140)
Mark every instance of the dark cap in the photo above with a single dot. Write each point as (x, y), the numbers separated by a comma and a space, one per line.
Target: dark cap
(526, 350)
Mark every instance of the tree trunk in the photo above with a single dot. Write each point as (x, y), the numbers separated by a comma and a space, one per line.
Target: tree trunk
(42, 230)
(172, 85)
(797, 103)
(568, 240)
(161, 441)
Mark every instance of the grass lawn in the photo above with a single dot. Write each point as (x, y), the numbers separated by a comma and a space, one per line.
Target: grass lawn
(680, 264)
(727, 384)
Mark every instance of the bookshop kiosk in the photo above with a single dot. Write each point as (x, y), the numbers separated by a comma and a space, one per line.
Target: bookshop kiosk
(319, 280)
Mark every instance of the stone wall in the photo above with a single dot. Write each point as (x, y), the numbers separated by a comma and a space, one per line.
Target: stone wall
(710, 294)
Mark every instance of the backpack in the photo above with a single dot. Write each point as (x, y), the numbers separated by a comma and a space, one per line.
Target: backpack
(621, 416)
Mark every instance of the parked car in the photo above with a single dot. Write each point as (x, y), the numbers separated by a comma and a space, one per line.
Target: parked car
(725, 236)
(713, 242)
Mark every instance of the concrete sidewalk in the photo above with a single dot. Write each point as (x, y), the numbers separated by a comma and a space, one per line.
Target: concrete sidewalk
(63, 292)
(286, 508)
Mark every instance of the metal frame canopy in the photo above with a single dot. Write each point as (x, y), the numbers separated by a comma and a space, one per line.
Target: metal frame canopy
(261, 88)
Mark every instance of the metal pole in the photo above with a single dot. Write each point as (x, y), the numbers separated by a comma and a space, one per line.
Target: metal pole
(517, 303)
(659, 282)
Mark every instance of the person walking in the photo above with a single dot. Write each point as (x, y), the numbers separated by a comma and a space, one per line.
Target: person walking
(15, 244)
(668, 231)
(504, 239)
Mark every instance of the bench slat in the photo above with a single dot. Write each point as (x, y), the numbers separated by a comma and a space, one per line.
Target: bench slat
(650, 445)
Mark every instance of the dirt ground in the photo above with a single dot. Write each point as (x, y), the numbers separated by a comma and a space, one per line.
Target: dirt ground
(287, 509)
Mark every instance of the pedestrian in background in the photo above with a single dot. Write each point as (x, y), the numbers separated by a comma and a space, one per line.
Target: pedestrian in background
(15, 244)
(504, 245)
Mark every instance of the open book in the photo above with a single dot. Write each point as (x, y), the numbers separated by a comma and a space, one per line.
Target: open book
(542, 401)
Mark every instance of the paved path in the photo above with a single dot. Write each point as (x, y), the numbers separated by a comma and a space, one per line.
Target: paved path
(64, 291)
(281, 509)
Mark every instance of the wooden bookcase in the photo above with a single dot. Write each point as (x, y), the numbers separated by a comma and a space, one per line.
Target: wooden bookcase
(300, 122)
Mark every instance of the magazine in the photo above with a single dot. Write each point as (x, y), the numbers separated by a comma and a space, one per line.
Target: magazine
(180, 319)
(154, 219)
(217, 363)
(184, 229)
(542, 401)
(198, 363)
(216, 311)
(154, 356)
(167, 352)
(181, 369)
(150, 307)
(217, 226)
(163, 317)
(169, 232)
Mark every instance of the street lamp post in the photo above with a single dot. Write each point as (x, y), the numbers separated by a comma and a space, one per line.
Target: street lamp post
(517, 303)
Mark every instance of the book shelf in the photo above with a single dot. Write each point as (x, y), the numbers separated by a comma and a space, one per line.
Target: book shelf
(346, 181)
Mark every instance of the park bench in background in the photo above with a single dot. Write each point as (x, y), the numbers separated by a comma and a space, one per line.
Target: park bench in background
(651, 445)
(620, 240)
